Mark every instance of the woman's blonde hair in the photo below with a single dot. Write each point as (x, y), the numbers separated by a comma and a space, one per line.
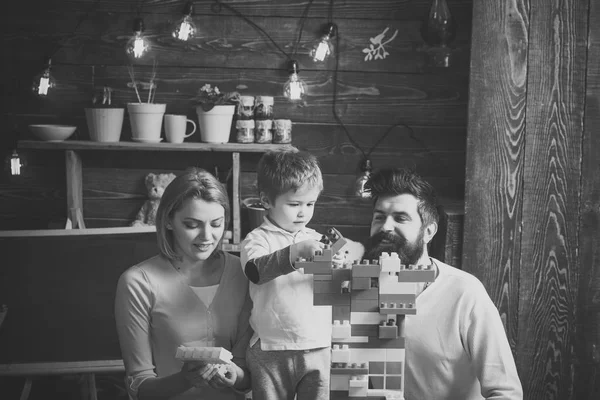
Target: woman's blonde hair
(194, 183)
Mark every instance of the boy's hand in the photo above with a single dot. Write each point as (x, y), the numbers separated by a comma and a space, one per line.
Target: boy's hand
(305, 249)
(339, 259)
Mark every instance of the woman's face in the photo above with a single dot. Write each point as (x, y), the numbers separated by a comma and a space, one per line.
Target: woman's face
(198, 227)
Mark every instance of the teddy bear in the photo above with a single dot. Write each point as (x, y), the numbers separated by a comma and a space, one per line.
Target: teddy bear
(155, 184)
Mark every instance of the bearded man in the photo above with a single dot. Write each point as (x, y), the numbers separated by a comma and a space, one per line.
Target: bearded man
(456, 345)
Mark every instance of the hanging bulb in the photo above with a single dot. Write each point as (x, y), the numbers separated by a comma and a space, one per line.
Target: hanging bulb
(185, 28)
(439, 28)
(295, 88)
(138, 44)
(359, 186)
(15, 163)
(44, 81)
(324, 47)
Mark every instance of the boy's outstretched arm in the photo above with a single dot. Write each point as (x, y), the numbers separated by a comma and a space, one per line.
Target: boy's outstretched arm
(261, 267)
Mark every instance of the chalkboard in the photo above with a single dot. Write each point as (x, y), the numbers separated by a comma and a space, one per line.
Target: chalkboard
(60, 294)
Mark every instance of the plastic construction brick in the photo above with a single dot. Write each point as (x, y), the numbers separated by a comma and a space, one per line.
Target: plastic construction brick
(314, 267)
(349, 369)
(340, 330)
(324, 255)
(214, 355)
(397, 298)
(321, 277)
(388, 330)
(398, 309)
(340, 354)
(390, 262)
(341, 313)
(393, 382)
(364, 305)
(365, 269)
(331, 299)
(336, 239)
(408, 275)
(358, 386)
(361, 283)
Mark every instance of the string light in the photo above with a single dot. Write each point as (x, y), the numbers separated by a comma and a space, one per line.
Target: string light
(138, 45)
(44, 81)
(185, 28)
(14, 163)
(324, 46)
(295, 88)
(360, 189)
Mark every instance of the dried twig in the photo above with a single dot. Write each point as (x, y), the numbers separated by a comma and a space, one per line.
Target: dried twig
(133, 82)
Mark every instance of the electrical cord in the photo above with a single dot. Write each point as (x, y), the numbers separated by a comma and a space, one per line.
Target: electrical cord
(218, 5)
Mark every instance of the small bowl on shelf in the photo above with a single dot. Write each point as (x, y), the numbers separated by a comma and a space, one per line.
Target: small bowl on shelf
(51, 132)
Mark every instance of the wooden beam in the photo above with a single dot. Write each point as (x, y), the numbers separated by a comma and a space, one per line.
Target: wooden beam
(587, 371)
(495, 146)
(549, 261)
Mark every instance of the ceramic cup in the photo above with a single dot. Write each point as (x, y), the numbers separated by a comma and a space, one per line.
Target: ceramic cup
(176, 127)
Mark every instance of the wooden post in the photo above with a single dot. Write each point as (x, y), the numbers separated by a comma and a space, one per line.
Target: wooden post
(237, 230)
(74, 190)
(523, 178)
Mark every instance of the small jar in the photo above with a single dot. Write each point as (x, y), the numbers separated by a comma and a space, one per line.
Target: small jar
(282, 131)
(263, 132)
(245, 109)
(263, 107)
(245, 131)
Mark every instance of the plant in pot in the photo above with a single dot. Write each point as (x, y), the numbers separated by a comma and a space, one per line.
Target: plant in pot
(215, 110)
(146, 118)
(104, 118)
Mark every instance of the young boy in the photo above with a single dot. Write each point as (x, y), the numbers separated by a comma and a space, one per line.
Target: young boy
(289, 353)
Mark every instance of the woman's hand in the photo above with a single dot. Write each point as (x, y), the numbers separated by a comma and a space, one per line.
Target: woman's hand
(226, 377)
(199, 373)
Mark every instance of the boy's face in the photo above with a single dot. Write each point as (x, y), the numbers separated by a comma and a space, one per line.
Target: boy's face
(292, 210)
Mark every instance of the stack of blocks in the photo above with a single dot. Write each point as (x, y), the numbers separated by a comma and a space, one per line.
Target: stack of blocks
(369, 302)
(209, 355)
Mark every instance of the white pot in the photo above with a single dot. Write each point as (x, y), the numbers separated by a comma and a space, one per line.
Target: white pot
(215, 125)
(104, 124)
(146, 121)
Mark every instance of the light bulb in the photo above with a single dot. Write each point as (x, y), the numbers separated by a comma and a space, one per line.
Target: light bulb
(295, 88)
(137, 45)
(360, 189)
(44, 81)
(15, 163)
(185, 28)
(324, 47)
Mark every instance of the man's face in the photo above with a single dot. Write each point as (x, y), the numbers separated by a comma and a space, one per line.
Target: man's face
(397, 227)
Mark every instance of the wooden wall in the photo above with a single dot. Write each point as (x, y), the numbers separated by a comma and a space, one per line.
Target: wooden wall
(404, 88)
(532, 211)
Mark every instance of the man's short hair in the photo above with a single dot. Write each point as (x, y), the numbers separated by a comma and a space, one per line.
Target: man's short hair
(280, 171)
(396, 181)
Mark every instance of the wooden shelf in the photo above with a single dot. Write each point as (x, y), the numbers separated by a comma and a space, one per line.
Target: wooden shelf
(74, 149)
(162, 146)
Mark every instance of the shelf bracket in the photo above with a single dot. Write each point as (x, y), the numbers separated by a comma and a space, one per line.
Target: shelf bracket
(74, 190)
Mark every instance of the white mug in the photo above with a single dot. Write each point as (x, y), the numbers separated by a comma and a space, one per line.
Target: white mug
(176, 126)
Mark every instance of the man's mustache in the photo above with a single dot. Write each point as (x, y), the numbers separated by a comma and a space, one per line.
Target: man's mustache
(389, 238)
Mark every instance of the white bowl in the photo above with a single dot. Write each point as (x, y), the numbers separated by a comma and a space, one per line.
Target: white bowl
(52, 133)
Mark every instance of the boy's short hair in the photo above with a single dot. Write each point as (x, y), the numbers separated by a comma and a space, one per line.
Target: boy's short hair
(280, 171)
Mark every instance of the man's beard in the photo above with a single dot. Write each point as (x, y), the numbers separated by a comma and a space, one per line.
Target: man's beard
(408, 252)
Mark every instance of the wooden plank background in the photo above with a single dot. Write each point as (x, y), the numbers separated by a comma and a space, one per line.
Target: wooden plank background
(531, 204)
(427, 104)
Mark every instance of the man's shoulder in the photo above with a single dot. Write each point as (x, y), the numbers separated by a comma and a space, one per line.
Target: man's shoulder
(458, 275)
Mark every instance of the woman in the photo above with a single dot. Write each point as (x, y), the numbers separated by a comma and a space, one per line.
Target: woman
(192, 293)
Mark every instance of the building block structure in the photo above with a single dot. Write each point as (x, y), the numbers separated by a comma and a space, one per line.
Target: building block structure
(209, 355)
(369, 300)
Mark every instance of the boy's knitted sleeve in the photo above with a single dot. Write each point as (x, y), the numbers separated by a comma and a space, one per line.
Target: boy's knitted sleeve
(262, 265)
